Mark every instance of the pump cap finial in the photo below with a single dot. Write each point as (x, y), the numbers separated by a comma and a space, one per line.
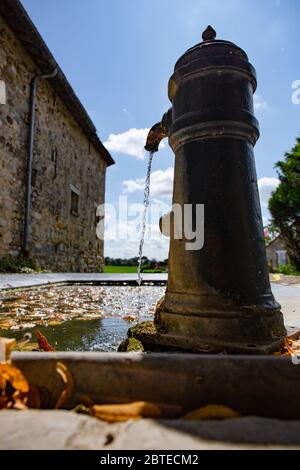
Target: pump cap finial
(209, 34)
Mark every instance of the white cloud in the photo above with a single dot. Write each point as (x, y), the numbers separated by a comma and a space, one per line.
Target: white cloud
(266, 186)
(130, 142)
(122, 235)
(260, 103)
(161, 183)
(156, 245)
(134, 185)
(158, 249)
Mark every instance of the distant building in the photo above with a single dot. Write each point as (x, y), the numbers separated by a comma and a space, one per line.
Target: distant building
(276, 253)
(69, 161)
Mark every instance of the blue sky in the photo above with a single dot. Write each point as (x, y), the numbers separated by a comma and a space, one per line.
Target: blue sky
(118, 55)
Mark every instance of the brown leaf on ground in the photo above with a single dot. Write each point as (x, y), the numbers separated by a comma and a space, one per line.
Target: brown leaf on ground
(289, 348)
(212, 412)
(67, 378)
(14, 387)
(126, 411)
(13, 376)
(288, 345)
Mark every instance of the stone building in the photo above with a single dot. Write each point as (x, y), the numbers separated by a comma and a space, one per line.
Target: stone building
(276, 253)
(68, 159)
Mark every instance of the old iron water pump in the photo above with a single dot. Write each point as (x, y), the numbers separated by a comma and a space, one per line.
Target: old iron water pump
(218, 297)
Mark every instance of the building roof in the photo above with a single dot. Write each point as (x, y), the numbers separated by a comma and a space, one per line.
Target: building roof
(273, 240)
(18, 20)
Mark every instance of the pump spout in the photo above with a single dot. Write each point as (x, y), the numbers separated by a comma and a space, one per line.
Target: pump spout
(158, 132)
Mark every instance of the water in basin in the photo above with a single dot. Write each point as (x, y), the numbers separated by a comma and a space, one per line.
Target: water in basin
(77, 318)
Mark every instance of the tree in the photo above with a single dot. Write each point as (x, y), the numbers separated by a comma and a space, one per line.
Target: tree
(284, 203)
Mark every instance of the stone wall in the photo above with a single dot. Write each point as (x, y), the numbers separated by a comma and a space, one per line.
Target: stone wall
(60, 238)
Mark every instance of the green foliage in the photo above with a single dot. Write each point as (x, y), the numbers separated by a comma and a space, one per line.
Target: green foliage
(124, 265)
(121, 261)
(120, 269)
(288, 269)
(17, 264)
(284, 203)
(155, 271)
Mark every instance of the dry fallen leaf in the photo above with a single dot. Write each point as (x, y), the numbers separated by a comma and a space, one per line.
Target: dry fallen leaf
(6, 347)
(212, 412)
(5, 324)
(14, 376)
(14, 387)
(129, 318)
(126, 411)
(289, 348)
(43, 342)
(67, 378)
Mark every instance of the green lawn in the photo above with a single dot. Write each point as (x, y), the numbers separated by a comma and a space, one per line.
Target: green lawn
(120, 269)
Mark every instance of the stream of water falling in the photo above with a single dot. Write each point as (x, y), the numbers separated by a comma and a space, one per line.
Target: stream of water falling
(144, 218)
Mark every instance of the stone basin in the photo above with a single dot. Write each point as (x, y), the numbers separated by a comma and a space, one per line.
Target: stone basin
(266, 386)
(264, 389)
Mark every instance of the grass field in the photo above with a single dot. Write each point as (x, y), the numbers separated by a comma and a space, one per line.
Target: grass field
(120, 269)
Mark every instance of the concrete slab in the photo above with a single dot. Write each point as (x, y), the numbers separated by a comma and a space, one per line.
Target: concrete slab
(63, 430)
(289, 299)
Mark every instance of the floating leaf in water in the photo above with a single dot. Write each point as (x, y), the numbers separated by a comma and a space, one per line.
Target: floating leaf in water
(6, 323)
(53, 305)
(129, 318)
(43, 342)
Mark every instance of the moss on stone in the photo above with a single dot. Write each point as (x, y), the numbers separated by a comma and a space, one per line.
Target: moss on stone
(144, 328)
(130, 345)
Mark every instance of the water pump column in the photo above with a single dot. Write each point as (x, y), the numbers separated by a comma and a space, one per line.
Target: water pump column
(219, 297)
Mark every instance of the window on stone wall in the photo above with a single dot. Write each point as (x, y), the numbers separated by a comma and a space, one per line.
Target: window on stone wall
(74, 202)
